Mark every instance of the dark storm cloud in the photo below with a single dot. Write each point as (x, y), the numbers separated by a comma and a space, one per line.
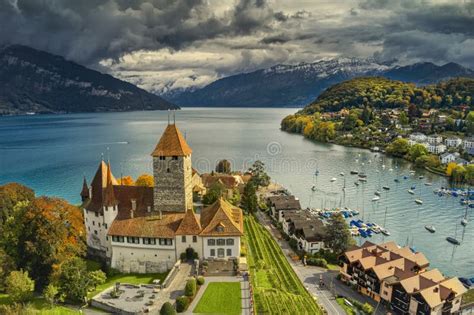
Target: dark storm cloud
(88, 31)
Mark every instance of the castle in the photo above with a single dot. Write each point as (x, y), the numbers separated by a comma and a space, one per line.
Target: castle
(145, 229)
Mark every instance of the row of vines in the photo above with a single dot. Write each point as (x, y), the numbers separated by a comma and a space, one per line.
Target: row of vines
(281, 292)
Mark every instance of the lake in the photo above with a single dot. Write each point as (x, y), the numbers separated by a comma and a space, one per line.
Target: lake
(52, 153)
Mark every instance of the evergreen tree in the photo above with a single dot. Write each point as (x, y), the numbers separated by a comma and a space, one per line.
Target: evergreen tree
(249, 198)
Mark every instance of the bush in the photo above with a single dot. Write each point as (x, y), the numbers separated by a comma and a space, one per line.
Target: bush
(50, 294)
(320, 262)
(182, 256)
(190, 289)
(167, 309)
(19, 286)
(367, 308)
(182, 304)
(111, 272)
(200, 280)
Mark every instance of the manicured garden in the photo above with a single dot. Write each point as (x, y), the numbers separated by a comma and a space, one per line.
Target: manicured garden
(220, 298)
(276, 288)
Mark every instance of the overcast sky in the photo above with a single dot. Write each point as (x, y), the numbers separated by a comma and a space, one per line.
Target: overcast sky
(165, 44)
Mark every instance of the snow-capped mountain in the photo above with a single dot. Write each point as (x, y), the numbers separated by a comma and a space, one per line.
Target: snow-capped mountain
(297, 85)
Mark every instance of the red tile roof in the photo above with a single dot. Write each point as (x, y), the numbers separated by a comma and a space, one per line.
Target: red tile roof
(224, 215)
(189, 225)
(172, 143)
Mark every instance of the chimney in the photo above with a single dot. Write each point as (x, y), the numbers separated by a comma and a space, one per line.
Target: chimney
(134, 208)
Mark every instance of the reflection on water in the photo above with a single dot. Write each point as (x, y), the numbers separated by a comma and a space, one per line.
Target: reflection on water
(52, 153)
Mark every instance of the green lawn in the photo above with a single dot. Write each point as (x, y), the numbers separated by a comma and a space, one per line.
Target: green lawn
(132, 278)
(349, 310)
(468, 297)
(220, 298)
(41, 307)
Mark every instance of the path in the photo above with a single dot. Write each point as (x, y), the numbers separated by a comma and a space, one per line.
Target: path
(244, 287)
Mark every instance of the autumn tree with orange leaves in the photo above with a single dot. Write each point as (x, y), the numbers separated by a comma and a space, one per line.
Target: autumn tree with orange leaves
(40, 234)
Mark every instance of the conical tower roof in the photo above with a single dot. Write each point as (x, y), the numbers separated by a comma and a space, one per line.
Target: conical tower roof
(172, 143)
(85, 189)
(109, 196)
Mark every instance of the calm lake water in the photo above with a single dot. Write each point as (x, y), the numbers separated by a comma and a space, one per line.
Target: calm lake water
(52, 153)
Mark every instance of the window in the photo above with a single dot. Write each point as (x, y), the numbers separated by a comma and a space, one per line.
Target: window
(162, 158)
(168, 170)
(118, 239)
(166, 241)
(220, 242)
(106, 238)
(96, 214)
(220, 253)
(211, 242)
(229, 252)
(95, 232)
(230, 241)
(93, 223)
(99, 224)
(105, 225)
(385, 292)
(175, 158)
(183, 239)
(220, 229)
(213, 252)
(133, 240)
(195, 239)
(149, 241)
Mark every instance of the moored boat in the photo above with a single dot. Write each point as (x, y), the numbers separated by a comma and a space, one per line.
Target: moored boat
(377, 193)
(411, 191)
(354, 172)
(333, 179)
(386, 187)
(430, 228)
(419, 201)
(377, 198)
(452, 240)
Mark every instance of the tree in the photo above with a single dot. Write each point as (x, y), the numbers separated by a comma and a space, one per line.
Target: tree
(213, 193)
(338, 237)
(182, 304)
(469, 175)
(458, 174)
(450, 167)
(249, 198)
(6, 266)
(97, 277)
(259, 177)
(416, 151)
(145, 180)
(10, 195)
(50, 294)
(470, 123)
(19, 286)
(74, 281)
(43, 234)
(167, 309)
(190, 288)
(126, 181)
(403, 119)
(429, 160)
(398, 147)
(236, 198)
(223, 166)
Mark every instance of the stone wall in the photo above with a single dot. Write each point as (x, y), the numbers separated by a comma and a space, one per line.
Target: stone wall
(142, 260)
(173, 184)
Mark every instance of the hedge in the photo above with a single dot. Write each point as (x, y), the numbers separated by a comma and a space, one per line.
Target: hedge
(167, 309)
(200, 280)
(190, 288)
(182, 304)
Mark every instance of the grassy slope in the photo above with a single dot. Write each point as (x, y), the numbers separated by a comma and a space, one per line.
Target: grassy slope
(276, 288)
(220, 298)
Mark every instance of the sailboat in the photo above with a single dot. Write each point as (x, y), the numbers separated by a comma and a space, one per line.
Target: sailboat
(376, 198)
(454, 240)
(464, 220)
(430, 228)
(333, 179)
(411, 191)
(419, 201)
(383, 229)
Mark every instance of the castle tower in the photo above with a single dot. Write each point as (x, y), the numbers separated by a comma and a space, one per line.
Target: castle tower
(172, 172)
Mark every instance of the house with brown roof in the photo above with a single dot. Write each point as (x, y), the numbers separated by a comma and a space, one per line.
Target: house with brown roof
(399, 278)
(145, 229)
(309, 231)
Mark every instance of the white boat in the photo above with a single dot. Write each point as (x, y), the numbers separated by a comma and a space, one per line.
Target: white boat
(377, 198)
(419, 201)
(464, 221)
(362, 179)
(384, 231)
(333, 179)
(377, 193)
(411, 191)
(428, 184)
(430, 228)
(341, 173)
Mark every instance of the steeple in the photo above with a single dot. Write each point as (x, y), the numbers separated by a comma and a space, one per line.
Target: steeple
(109, 196)
(172, 143)
(85, 191)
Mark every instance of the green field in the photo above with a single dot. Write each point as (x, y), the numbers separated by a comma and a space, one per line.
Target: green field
(220, 298)
(276, 288)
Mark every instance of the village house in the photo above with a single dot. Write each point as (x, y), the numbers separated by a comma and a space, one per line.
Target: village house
(146, 229)
(436, 148)
(281, 203)
(434, 139)
(230, 182)
(399, 277)
(453, 142)
(468, 144)
(446, 158)
(417, 137)
(306, 229)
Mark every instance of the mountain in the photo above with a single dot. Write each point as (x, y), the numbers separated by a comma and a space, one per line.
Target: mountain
(36, 81)
(298, 85)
